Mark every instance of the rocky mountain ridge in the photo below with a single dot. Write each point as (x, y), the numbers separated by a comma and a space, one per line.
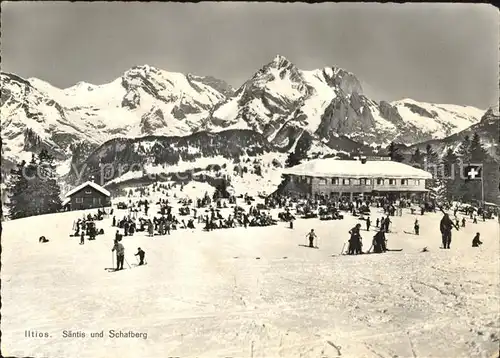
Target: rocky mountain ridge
(280, 102)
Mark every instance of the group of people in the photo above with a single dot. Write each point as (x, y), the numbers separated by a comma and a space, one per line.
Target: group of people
(120, 253)
(87, 227)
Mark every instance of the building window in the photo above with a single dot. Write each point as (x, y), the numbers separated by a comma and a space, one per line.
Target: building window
(355, 182)
(404, 181)
(335, 181)
(391, 181)
(79, 200)
(346, 182)
(322, 181)
(417, 182)
(368, 182)
(88, 191)
(380, 181)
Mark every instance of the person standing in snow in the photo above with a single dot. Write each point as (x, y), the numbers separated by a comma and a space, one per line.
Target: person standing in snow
(82, 238)
(463, 222)
(445, 227)
(387, 222)
(120, 254)
(379, 242)
(311, 236)
(416, 227)
(355, 244)
(141, 255)
(368, 223)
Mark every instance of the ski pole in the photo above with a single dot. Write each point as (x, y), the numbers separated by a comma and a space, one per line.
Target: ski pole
(127, 263)
(112, 260)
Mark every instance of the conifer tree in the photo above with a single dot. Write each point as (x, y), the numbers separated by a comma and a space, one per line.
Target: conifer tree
(417, 158)
(33, 189)
(433, 166)
(394, 153)
(451, 175)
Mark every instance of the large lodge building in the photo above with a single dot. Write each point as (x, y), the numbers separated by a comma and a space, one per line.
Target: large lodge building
(335, 178)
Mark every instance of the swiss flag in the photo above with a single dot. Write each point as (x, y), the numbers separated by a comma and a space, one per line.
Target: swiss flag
(473, 172)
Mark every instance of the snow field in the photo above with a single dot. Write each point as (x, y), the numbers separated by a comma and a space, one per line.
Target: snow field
(205, 294)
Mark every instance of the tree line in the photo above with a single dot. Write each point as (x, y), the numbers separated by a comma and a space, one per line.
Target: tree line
(33, 188)
(450, 182)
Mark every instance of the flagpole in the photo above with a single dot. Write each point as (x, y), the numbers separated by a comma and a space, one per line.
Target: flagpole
(482, 188)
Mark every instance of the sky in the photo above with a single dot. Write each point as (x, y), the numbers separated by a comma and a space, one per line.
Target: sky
(440, 53)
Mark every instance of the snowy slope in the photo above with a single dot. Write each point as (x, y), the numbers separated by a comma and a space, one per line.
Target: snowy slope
(204, 294)
(438, 120)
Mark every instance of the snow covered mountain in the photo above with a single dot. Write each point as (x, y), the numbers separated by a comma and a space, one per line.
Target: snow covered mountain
(281, 101)
(143, 101)
(325, 107)
(488, 129)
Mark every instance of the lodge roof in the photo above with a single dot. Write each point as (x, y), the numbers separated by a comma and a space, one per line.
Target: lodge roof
(331, 167)
(88, 183)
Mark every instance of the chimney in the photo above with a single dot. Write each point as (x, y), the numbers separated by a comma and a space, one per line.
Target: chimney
(363, 160)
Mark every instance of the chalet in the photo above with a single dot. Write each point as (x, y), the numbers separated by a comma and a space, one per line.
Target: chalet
(334, 178)
(87, 196)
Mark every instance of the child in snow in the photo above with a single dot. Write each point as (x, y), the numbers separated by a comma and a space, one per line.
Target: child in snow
(416, 227)
(141, 255)
(476, 242)
(311, 236)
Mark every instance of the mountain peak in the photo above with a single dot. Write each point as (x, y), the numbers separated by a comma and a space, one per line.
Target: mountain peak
(280, 61)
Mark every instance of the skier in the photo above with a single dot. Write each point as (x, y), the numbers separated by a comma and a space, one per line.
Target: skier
(387, 222)
(120, 254)
(355, 244)
(377, 222)
(463, 222)
(476, 241)
(379, 242)
(141, 255)
(416, 227)
(445, 227)
(117, 235)
(311, 236)
(82, 238)
(114, 221)
(368, 223)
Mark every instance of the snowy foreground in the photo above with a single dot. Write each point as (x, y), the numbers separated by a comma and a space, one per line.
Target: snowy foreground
(208, 295)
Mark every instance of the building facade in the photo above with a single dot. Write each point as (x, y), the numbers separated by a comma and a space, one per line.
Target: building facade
(88, 196)
(337, 178)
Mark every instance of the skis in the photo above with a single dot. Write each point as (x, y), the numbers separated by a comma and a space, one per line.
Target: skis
(394, 250)
(114, 270)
